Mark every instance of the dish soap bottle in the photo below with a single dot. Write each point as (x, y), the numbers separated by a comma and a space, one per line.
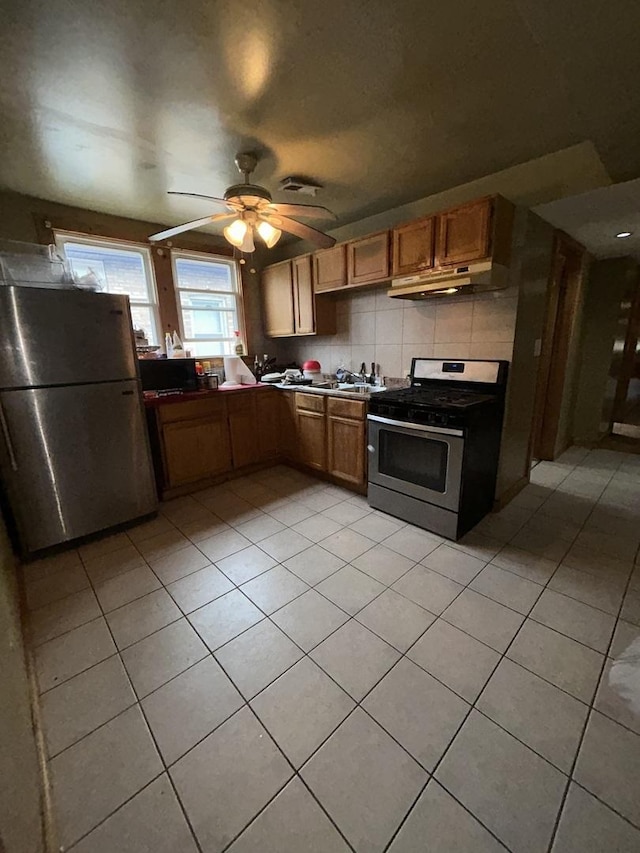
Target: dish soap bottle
(239, 347)
(178, 349)
(168, 345)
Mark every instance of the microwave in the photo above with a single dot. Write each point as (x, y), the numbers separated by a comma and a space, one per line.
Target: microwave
(163, 374)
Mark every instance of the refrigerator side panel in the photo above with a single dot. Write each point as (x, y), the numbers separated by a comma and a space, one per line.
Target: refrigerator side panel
(61, 337)
(74, 460)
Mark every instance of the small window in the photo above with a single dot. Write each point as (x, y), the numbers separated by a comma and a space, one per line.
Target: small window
(208, 290)
(118, 268)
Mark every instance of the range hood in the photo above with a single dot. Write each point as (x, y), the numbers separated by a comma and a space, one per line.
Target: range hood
(467, 278)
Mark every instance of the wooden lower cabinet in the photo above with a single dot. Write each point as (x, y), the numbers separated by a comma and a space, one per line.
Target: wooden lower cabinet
(346, 441)
(195, 450)
(287, 428)
(243, 430)
(205, 439)
(312, 439)
(267, 417)
(346, 444)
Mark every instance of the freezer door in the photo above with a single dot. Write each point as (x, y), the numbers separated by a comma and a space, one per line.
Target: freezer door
(61, 337)
(74, 460)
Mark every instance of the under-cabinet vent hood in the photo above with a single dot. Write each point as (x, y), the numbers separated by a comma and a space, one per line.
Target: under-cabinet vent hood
(467, 278)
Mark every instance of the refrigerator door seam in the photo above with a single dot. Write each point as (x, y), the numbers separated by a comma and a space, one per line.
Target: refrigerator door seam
(7, 438)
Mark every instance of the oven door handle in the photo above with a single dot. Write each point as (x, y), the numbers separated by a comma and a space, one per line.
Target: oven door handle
(416, 427)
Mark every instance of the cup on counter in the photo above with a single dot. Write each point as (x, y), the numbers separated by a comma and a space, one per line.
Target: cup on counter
(212, 381)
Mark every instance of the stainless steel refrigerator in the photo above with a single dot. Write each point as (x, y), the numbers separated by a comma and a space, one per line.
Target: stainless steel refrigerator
(74, 450)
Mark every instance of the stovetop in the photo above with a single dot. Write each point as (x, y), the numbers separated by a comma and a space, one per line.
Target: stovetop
(435, 398)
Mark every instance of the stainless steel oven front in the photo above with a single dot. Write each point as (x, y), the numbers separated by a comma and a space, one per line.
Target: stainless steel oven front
(424, 462)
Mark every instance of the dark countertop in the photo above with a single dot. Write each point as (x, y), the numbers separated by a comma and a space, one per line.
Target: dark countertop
(188, 396)
(168, 399)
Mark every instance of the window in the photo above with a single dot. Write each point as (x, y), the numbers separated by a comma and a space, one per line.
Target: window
(208, 290)
(119, 268)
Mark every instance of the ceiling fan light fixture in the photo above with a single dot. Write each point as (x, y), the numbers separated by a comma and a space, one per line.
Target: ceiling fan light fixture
(236, 232)
(269, 234)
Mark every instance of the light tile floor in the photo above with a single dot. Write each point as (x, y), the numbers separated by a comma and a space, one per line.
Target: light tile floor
(270, 665)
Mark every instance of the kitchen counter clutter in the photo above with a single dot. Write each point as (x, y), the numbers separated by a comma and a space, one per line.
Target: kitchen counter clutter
(204, 437)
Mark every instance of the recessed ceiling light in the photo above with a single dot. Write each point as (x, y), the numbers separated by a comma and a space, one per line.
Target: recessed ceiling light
(624, 234)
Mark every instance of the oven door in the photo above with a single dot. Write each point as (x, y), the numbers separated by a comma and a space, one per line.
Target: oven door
(421, 461)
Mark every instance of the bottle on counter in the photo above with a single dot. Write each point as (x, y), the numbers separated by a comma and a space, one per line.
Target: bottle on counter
(168, 345)
(178, 349)
(239, 347)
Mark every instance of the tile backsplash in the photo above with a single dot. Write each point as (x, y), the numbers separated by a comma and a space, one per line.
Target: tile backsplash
(374, 327)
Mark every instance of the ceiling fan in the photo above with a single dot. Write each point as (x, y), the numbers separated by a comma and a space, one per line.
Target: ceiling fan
(253, 211)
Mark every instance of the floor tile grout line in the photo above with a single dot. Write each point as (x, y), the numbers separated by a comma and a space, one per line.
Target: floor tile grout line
(584, 731)
(295, 771)
(152, 736)
(503, 655)
(389, 586)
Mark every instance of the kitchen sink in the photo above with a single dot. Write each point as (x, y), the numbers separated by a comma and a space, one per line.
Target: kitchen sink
(360, 388)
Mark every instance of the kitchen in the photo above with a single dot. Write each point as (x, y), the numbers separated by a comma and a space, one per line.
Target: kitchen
(306, 635)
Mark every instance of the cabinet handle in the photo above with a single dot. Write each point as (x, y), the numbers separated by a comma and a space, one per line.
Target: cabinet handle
(7, 438)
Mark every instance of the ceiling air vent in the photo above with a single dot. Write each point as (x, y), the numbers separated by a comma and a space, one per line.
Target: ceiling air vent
(299, 185)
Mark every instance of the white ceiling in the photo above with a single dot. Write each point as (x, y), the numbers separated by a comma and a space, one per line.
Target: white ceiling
(109, 105)
(594, 219)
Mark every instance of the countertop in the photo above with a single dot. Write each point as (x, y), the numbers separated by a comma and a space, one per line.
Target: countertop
(168, 399)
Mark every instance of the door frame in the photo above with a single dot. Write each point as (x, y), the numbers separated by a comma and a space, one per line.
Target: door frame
(564, 292)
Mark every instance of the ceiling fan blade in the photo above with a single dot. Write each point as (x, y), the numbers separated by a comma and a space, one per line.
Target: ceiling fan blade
(188, 226)
(199, 195)
(299, 229)
(311, 211)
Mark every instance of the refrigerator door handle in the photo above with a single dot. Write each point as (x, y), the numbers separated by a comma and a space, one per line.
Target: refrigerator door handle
(7, 439)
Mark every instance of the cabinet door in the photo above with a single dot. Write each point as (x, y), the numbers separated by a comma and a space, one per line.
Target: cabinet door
(312, 440)
(413, 246)
(330, 267)
(195, 450)
(277, 296)
(303, 300)
(243, 429)
(368, 259)
(267, 410)
(464, 234)
(287, 425)
(346, 445)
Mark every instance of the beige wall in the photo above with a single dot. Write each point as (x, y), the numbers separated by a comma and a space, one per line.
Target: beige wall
(374, 327)
(564, 173)
(23, 217)
(608, 282)
(20, 779)
(532, 256)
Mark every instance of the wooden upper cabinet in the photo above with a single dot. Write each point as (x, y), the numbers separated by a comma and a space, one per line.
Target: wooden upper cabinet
(277, 300)
(464, 234)
(330, 268)
(303, 299)
(368, 259)
(413, 247)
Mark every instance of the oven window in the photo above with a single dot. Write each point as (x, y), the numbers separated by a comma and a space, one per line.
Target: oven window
(413, 459)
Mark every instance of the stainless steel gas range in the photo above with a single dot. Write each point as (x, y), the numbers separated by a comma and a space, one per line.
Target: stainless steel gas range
(434, 447)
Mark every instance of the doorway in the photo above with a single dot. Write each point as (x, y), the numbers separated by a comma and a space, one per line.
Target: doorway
(625, 368)
(555, 389)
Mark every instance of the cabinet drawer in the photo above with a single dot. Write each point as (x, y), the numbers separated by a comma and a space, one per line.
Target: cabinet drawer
(310, 402)
(341, 408)
(191, 410)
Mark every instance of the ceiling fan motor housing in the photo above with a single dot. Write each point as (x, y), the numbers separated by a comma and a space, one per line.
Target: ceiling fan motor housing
(247, 194)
